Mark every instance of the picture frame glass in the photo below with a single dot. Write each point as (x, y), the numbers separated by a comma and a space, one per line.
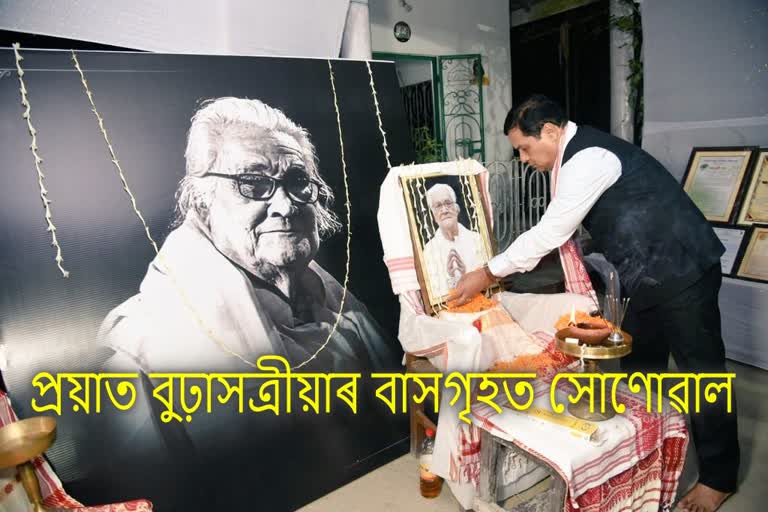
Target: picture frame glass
(754, 262)
(755, 207)
(714, 178)
(450, 231)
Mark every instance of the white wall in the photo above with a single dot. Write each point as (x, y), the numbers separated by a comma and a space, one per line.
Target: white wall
(411, 72)
(706, 76)
(706, 84)
(306, 28)
(445, 27)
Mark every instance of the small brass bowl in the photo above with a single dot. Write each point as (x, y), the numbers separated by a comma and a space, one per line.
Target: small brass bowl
(589, 333)
(22, 441)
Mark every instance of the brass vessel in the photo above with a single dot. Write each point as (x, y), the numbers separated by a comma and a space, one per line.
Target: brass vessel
(591, 354)
(20, 443)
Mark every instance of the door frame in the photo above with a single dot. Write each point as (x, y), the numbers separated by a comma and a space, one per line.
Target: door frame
(437, 92)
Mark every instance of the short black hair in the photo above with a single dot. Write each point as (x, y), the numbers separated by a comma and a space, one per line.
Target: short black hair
(530, 116)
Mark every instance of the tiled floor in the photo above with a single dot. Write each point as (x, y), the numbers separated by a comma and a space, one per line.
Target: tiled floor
(395, 487)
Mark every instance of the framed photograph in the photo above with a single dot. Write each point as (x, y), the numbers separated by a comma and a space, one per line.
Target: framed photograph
(753, 258)
(715, 178)
(450, 231)
(754, 207)
(732, 238)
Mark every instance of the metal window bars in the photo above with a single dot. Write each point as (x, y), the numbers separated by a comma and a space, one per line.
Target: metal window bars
(519, 196)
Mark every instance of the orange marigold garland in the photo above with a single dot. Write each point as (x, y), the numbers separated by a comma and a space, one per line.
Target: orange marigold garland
(478, 303)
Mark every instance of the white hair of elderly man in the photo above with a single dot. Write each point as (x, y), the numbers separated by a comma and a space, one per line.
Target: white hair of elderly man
(436, 189)
(216, 123)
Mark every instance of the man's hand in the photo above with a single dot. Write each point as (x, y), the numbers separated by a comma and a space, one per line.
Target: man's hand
(470, 285)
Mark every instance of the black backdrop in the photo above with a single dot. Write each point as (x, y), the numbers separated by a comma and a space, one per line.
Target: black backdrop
(48, 323)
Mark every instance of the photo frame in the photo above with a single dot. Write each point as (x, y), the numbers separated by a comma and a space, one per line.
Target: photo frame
(715, 179)
(752, 264)
(732, 237)
(451, 232)
(754, 206)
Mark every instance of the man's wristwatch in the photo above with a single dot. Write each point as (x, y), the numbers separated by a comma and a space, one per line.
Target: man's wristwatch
(488, 273)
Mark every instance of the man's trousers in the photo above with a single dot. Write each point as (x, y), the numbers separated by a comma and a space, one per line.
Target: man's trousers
(688, 326)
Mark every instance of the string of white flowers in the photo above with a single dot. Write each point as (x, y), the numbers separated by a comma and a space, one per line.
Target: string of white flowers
(112, 151)
(378, 115)
(27, 115)
(349, 220)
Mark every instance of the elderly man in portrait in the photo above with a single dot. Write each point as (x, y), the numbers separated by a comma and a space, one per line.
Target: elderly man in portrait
(235, 280)
(454, 249)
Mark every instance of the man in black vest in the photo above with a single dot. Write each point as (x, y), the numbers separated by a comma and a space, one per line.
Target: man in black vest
(666, 254)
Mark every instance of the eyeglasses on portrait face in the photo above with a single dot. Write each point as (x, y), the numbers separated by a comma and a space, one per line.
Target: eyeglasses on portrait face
(258, 187)
(447, 204)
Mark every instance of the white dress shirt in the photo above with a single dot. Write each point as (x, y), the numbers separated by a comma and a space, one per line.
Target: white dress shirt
(581, 182)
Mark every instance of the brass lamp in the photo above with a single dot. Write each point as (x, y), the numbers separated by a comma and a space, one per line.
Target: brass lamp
(20, 443)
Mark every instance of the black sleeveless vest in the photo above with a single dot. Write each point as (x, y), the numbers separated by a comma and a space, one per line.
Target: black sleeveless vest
(646, 225)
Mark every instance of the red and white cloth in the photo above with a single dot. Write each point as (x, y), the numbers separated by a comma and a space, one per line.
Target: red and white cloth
(453, 343)
(637, 464)
(13, 498)
(576, 277)
(471, 343)
(633, 463)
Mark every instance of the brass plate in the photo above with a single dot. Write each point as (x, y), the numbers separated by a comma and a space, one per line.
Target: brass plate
(24, 440)
(606, 350)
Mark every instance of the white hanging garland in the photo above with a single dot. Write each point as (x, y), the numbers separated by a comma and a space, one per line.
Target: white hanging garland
(51, 228)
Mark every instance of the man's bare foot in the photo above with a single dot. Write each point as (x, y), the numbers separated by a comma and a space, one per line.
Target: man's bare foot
(702, 499)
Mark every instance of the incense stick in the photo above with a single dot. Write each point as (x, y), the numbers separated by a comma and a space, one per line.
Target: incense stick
(624, 311)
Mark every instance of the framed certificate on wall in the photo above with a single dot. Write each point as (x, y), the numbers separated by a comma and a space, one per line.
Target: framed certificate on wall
(754, 208)
(715, 178)
(753, 260)
(732, 238)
